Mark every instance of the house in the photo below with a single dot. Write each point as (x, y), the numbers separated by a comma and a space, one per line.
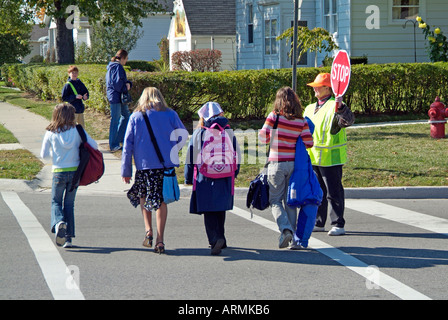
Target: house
(38, 43)
(154, 28)
(378, 31)
(204, 24)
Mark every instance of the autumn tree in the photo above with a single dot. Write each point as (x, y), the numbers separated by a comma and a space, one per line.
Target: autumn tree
(315, 40)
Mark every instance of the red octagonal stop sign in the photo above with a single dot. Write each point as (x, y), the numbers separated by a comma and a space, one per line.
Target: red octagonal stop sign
(340, 73)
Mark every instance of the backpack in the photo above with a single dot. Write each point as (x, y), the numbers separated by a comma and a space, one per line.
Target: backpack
(217, 158)
(258, 194)
(91, 163)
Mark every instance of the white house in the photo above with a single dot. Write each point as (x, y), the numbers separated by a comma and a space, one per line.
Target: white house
(154, 27)
(204, 24)
(376, 29)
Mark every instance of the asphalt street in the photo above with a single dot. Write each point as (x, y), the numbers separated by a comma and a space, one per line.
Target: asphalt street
(397, 249)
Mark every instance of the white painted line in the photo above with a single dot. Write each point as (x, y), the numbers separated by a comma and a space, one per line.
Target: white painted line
(379, 278)
(408, 217)
(57, 275)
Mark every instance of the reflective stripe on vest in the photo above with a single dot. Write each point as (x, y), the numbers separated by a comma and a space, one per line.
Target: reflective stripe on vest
(328, 150)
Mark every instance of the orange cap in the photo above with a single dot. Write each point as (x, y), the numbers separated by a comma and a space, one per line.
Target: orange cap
(322, 79)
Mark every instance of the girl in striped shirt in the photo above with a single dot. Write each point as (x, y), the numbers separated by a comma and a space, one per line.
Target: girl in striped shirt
(291, 125)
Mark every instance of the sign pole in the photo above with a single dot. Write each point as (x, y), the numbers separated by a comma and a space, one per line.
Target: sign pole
(294, 46)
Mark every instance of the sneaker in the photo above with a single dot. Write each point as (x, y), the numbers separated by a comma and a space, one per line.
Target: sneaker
(336, 231)
(60, 230)
(319, 229)
(296, 246)
(285, 238)
(67, 244)
(115, 149)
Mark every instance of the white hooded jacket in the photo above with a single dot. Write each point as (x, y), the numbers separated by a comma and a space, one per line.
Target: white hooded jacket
(63, 148)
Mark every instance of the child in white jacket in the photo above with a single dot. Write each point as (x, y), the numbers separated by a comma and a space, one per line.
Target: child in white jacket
(61, 144)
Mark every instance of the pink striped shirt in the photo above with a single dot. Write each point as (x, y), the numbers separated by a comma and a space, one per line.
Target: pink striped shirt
(283, 146)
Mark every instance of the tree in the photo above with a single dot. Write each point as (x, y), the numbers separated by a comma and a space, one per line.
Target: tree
(315, 40)
(105, 41)
(109, 12)
(14, 33)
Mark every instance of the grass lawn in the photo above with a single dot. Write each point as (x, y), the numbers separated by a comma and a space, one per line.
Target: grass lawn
(402, 155)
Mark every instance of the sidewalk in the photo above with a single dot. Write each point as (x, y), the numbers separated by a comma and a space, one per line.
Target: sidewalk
(29, 129)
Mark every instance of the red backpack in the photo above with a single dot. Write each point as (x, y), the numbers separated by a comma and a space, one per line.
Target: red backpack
(91, 163)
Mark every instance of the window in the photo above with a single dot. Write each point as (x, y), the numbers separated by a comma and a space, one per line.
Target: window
(330, 14)
(270, 33)
(405, 9)
(250, 23)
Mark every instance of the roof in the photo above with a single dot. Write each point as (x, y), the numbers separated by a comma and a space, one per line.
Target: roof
(210, 17)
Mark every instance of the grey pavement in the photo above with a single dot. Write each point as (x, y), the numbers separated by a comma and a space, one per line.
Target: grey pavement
(29, 129)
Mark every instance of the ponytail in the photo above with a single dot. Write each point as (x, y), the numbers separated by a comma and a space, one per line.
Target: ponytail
(121, 54)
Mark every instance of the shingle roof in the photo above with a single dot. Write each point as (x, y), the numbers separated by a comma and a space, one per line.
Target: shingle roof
(210, 17)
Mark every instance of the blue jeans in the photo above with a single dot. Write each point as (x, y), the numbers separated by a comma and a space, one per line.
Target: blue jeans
(119, 117)
(63, 202)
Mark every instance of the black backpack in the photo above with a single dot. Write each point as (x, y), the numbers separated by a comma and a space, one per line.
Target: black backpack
(258, 195)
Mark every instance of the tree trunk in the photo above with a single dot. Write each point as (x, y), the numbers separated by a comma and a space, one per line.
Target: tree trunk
(65, 49)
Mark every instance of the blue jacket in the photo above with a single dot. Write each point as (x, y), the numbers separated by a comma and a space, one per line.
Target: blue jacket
(211, 195)
(115, 82)
(69, 96)
(304, 188)
(170, 134)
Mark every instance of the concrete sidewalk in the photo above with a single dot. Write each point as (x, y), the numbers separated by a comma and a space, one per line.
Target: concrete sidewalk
(29, 129)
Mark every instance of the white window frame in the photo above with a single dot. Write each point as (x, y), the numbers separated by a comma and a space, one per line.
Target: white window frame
(332, 16)
(391, 6)
(272, 38)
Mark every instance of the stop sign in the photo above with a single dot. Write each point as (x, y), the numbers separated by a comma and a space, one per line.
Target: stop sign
(340, 73)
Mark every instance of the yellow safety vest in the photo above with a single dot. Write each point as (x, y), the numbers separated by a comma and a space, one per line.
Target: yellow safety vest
(329, 149)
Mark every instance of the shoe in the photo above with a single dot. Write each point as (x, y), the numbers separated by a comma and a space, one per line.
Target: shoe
(148, 240)
(60, 231)
(285, 238)
(159, 248)
(216, 250)
(115, 149)
(296, 246)
(336, 231)
(319, 229)
(67, 244)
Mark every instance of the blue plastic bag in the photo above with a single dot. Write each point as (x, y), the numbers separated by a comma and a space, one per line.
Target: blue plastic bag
(171, 190)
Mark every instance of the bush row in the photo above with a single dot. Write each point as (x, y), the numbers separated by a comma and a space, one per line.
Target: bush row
(387, 88)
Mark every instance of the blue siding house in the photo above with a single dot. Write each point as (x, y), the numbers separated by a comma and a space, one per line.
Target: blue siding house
(361, 27)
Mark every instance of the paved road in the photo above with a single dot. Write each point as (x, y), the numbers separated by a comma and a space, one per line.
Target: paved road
(394, 249)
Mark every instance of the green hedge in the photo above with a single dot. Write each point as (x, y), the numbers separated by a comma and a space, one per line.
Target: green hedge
(373, 89)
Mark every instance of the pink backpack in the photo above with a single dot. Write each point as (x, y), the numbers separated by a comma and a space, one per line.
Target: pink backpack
(217, 158)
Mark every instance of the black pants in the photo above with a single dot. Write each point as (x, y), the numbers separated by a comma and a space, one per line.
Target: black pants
(330, 179)
(214, 226)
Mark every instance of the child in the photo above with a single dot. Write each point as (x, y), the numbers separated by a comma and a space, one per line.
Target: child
(61, 142)
(74, 92)
(211, 197)
(147, 190)
(291, 125)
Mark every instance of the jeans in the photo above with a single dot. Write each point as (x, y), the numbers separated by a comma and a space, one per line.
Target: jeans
(63, 202)
(119, 117)
(279, 174)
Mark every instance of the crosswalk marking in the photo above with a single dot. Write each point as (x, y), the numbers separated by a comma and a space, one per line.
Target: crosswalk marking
(381, 279)
(54, 269)
(412, 218)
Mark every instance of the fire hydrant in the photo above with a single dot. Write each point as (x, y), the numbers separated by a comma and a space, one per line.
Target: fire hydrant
(437, 114)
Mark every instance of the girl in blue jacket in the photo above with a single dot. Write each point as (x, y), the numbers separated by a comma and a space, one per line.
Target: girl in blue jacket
(147, 190)
(211, 197)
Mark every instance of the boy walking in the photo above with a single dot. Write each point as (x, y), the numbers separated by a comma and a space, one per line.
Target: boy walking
(74, 92)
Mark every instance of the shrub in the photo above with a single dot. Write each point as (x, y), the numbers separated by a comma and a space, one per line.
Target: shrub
(388, 88)
(197, 60)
